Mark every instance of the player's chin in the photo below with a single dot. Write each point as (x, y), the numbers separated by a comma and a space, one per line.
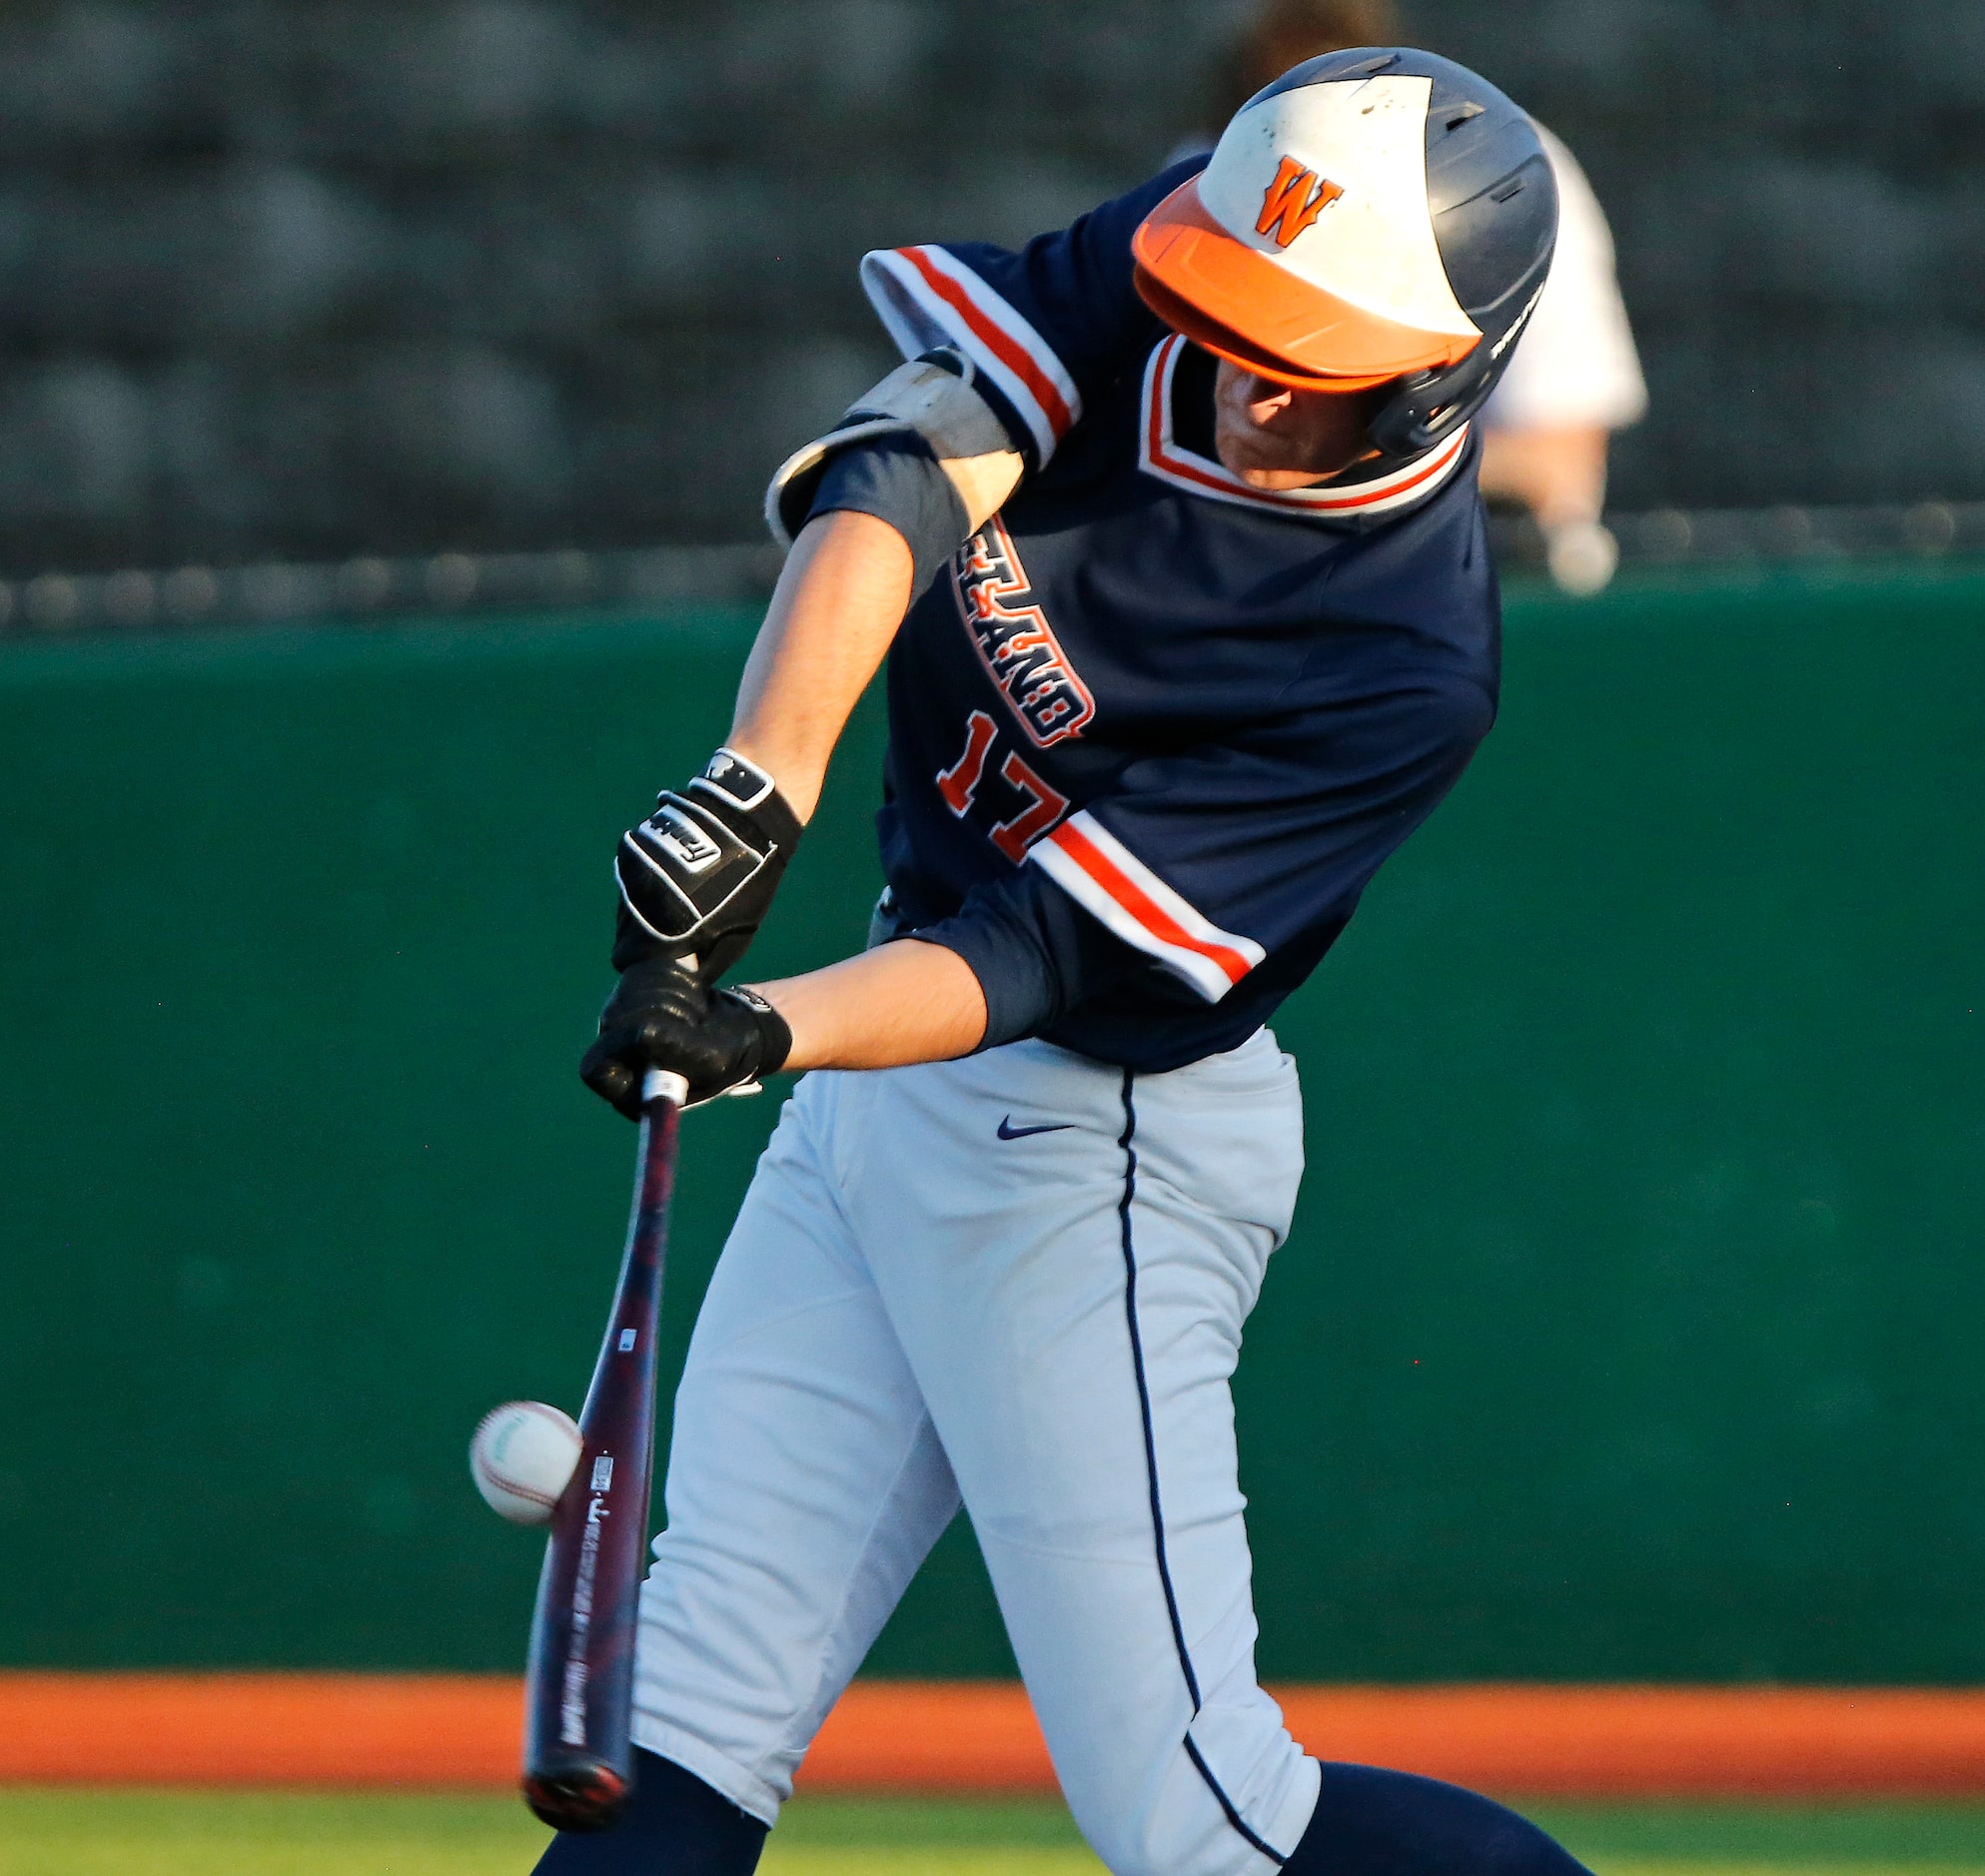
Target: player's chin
(1275, 458)
(1275, 481)
(1272, 471)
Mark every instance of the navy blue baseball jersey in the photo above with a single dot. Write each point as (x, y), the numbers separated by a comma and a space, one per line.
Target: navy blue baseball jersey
(1153, 732)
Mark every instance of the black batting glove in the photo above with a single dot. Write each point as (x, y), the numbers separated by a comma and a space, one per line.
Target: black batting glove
(663, 1015)
(697, 876)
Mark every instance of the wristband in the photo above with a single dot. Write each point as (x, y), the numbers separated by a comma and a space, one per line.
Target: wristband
(774, 1034)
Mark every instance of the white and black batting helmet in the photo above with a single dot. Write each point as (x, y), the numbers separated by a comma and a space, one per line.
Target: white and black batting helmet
(1372, 217)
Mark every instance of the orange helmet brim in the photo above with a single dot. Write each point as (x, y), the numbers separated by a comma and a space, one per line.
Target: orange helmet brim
(1235, 302)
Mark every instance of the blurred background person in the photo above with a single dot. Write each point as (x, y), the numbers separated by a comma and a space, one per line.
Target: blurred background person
(1575, 378)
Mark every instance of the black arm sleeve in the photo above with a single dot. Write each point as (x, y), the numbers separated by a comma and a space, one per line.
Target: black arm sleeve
(898, 481)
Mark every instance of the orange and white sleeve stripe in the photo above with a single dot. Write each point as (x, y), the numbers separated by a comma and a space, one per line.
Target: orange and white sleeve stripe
(1112, 884)
(925, 297)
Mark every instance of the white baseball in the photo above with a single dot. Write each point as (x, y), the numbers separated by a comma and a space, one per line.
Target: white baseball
(522, 1456)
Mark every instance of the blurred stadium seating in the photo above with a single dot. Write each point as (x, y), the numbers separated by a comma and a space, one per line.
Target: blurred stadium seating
(301, 284)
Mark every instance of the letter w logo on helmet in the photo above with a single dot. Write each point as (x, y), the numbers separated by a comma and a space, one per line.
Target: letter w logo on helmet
(1292, 201)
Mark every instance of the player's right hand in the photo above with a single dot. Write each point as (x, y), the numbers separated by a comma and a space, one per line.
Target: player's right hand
(663, 1015)
(697, 876)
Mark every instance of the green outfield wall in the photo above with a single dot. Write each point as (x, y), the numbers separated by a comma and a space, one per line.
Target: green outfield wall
(1630, 1327)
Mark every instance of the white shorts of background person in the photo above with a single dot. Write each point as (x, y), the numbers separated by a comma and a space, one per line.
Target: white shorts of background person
(1021, 1277)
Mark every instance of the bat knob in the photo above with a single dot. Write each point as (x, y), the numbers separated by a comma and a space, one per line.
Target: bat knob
(664, 1083)
(576, 1794)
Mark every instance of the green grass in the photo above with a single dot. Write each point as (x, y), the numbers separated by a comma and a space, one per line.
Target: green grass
(1780, 1839)
(154, 1833)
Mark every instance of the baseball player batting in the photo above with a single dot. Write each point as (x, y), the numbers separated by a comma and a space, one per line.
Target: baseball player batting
(1169, 533)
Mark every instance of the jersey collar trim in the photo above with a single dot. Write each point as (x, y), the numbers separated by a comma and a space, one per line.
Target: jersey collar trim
(1160, 455)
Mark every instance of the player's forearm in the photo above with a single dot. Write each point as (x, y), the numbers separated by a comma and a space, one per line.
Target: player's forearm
(900, 1003)
(839, 601)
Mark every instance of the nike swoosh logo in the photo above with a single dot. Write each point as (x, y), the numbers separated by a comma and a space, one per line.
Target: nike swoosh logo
(1007, 1130)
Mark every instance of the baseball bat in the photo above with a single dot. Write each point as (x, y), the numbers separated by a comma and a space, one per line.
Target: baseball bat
(578, 1757)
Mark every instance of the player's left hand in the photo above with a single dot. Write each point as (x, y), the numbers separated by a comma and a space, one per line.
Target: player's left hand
(661, 1015)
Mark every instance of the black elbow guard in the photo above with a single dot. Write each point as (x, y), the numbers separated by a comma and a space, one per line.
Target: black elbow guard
(898, 481)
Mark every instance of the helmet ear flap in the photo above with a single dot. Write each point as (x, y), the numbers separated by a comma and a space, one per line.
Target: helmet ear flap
(1434, 405)
(1430, 406)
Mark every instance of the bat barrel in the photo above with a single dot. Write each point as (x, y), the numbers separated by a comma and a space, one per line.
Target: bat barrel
(579, 1685)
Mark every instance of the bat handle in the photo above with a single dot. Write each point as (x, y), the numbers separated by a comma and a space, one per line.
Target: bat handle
(664, 1084)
